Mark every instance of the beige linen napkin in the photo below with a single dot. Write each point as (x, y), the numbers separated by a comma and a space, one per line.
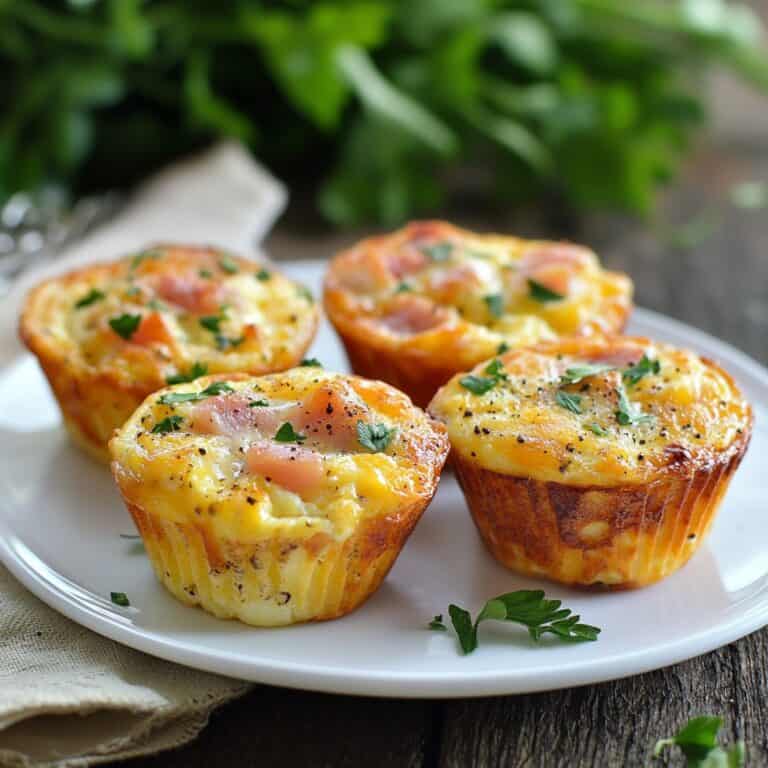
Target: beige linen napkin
(69, 697)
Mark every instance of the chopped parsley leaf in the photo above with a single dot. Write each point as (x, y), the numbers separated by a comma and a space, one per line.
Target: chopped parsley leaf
(214, 388)
(305, 293)
(437, 623)
(258, 403)
(225, 342)
(502, 348)
(403, 287)
(119, 598)
(577, 373)
(629, 413)
(206, 274)
(263, 275)
(634, 373)
(495, 304)
(169, 424)
(310, 362)
(438, 252)
(287, 434)
(596, 429)
(91, 297)
(195, 372)
(479, 385)
(151, 253)
(541, 293)
(568, 401)
(374, 437)
(211, 323)
(125, 325)
(228, 264)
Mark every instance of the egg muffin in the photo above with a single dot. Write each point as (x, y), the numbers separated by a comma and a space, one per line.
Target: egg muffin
(416, 306)
(277, 499)
(595, 461)
(109, 334)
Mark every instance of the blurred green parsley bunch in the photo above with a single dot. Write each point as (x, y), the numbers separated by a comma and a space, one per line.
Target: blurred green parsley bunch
(387, 105)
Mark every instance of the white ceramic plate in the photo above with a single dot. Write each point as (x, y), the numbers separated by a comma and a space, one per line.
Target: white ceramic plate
(61, 519)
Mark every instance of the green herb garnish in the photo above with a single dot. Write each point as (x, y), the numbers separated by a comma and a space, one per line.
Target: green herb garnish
(437, 623)
(263, 275)
(527, 607)
(91, 297)
(225, 342)
(479, 385)
(228, 264)
(212, 323)
(568, 401)
(634, 373)
(374, 437)
(213, 389)
(195, 372)
(502, 348)
(310, 362)
(438, 252)
(287, 434)
(119, 598)
(151, 253)
(206, 274)
(541, 293)
(130, 536)
(125, 325)
(698, 742)
(305, 293)
(169, 424)
(403, 287)
(629, 413)
(597, 429)
(577, 373)
(258, 403)
(495, 304)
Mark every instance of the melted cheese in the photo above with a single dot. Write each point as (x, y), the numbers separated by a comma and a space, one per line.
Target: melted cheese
(187, 475)
(261, 320)
(479, 287)
(689, 410)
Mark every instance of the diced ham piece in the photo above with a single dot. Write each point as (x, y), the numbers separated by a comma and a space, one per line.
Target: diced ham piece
(621, 357)
(550, 254)
(329, 417)
(195, 294)
(412, 314)
(448, 282)
(152, 330)
(290, 466)
(229, 414)
(406, 260)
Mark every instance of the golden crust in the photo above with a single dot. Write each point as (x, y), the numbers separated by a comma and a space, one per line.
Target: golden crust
(237, 544)
(595, 519)
(619, 537)
(99, 379)
(455, 328)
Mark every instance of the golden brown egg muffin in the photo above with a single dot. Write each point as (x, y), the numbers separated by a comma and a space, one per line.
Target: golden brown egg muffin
(417, 306)
(595, 461)
(109, 334)
(277, 499)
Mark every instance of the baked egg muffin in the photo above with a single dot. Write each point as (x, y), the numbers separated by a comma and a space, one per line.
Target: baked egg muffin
(109, 334)
(277, 499)
(418, 305)
(595, 461)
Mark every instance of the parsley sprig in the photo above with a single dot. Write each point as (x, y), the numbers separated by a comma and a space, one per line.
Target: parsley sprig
(528, 607)
(479, 385)
(629, 413)
(569, 401)
(169, 424)
(698, 742)
(263, 275)
(438, 252)
(578, 372)
(495, 304)
(228, 265)
(310, 362)
(119, 598)
(374, 437)
(214, 388)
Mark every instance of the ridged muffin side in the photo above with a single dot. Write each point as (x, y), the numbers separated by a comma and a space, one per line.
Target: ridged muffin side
(595, 462)
(245, 537)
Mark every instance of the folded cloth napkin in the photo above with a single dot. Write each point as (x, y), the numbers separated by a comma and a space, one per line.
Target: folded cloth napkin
(69, 697)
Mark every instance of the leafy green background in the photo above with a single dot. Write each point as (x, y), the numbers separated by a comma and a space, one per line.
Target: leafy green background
(384, 108)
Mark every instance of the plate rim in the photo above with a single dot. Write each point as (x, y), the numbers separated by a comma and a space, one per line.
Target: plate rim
(309, 676)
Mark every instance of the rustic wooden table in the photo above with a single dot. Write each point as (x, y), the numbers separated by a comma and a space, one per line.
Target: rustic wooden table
(720, 285)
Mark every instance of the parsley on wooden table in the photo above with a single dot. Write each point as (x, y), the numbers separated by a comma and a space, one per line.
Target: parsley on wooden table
(698, 742)
(528, 607)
